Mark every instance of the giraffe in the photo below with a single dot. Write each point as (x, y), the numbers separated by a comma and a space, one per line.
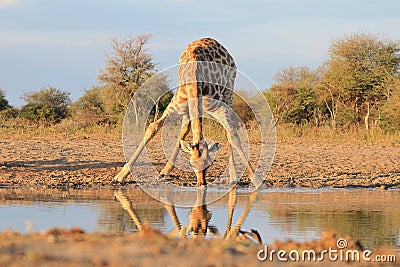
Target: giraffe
(206, 74)
(199, 218)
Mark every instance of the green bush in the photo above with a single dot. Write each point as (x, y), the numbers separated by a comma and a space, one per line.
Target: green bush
(42, 113)
(390, 113)
(89, 108)
(8, 113)
(356, 87)
(3, 101)
(48, 104)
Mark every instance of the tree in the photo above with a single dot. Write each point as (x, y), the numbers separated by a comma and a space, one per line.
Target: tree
(50, 96)
(127, 68)
(293, 97)
(329, 95)
(41, 113)
(6, 111)
(359, 75)
(90, 108)
(390, 112)
(47, 105)
(241, 108)
(155, 93)
(3, 101)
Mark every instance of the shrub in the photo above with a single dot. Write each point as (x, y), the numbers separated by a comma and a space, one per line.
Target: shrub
(89, 108)
(42, 113)
(3, 101)
(49, 104)
(8, 113)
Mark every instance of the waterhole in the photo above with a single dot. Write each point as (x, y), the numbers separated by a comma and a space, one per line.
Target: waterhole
(371, 216)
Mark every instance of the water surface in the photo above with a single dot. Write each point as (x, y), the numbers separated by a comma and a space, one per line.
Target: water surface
(372, 216)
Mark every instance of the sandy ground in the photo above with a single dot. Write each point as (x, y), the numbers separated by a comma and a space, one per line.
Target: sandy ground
(82, 161)
(59, 247)
(59, 161)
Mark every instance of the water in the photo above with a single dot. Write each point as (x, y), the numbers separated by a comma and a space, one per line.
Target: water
(372, 216)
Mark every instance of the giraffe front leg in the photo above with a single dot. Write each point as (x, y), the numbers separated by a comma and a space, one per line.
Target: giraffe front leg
(127, 205)
(149, 134)
(185, 128)
(123, 173)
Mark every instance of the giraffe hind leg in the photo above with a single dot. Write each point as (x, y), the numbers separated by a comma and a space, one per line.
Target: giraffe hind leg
(232, 169)
(234, 140)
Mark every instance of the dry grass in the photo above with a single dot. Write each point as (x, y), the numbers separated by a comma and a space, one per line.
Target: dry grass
(68, 127)
(285, 133)
(293, 133)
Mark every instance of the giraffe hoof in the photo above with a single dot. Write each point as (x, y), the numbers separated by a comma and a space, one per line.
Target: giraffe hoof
(162, 177)
(119, 179)
(234, 183)
(259, 187)
(203, 186)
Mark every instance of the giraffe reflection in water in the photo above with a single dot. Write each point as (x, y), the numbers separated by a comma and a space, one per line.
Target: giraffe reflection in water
(199, 218)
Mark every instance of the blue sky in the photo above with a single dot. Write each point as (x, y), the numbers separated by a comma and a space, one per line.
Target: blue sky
(63, 43)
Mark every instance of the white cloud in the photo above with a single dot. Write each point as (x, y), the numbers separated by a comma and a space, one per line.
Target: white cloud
(8, 3)
(16, 38)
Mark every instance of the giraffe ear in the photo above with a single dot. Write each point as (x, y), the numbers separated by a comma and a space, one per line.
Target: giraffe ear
(186, 146)
(214, 147)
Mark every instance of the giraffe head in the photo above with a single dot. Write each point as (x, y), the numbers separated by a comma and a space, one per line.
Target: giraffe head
(200, 158)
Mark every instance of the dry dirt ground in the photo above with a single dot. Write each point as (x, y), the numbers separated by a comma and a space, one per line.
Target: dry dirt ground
(85, 161)
(79, 161)
(59, 247)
